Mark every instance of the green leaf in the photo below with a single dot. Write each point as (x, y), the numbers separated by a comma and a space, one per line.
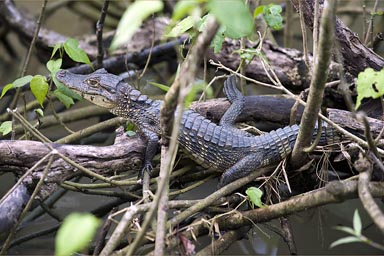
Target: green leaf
(258, 10)
(66, 100)
(75, 233)
(370, 84)
(197, 87)
(182, 8)
(346, 230)
(55, 48)
(345, 240)
(357, 226)
(6, 127)
(39, 111)
(5, 89)
(71, 47)
(234, 15)
(272, 16)
(218, 40)
(181, 27)
(255, 195)
(15, 84)
(20, 82)
(54, 65)
(133, 18)
(160, 86)
(39, 88)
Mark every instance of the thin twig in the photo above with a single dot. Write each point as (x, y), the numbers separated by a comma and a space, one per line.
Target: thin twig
(317, 86)
(29, 53)
(365, 168)
(369, 34)
(304, 35)
(99, 34)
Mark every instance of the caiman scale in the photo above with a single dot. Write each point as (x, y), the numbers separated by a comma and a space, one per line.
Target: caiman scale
(221, 147)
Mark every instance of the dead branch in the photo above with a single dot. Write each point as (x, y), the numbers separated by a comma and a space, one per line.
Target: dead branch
(356, 55)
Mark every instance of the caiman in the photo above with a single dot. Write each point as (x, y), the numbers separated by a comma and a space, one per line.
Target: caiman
(221, 147)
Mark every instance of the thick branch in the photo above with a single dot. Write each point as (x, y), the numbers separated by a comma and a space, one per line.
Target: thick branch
(333, 192)
(356, 55)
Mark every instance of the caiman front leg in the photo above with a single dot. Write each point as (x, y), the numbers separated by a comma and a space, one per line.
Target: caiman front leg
(150, 152)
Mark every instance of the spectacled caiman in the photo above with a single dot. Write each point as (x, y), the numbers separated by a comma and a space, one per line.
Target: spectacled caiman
(221, 147)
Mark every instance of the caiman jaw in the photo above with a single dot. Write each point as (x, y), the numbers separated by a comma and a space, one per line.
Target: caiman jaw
(91, 87)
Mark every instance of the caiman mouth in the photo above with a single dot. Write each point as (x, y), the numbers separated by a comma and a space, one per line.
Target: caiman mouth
(67, 78)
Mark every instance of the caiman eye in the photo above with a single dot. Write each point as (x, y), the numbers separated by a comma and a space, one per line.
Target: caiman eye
(93, 83)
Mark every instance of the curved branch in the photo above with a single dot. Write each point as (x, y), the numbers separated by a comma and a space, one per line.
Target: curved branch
(356, 55)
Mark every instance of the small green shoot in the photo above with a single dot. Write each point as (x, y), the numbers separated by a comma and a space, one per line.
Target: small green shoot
(355, 234)
(272, 15)
(370, 84)
(75, 233)
(254, 194)
(6, 127)
(39, 111)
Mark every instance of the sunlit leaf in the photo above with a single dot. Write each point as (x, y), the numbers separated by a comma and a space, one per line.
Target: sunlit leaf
(63, 98)
(75, 233)
(370, 84)
(357, 223)
(181, 27)
(258, 10)
(234, 14)
(133, 18)
(54, 65)
(345, 240)
(39, 88)
(71, 47)
(6, 127)
(255, 195)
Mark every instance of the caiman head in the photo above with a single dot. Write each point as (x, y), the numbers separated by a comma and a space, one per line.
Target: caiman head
(99, 87)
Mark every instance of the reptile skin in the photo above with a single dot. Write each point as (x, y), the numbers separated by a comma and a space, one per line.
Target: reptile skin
(221, 147)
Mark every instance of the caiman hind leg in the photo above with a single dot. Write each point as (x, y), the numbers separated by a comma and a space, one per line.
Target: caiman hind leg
(241, 169)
